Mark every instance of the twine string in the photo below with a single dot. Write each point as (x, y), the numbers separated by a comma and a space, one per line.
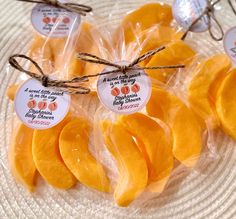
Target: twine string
(232, 6)
(124, 68)
(209, 12)
(74, 86)
(72, 7)
(62, 85)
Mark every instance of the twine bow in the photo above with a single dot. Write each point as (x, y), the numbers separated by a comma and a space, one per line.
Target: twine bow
(124, 68)
(68, 85)
(72, 7)
(210, 13)
(74, 86)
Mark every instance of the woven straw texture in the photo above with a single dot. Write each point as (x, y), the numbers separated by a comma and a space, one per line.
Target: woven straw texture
(201, 194)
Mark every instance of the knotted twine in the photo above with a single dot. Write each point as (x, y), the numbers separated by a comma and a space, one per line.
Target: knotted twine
(72, 7)
(210, 13)
(75, 85)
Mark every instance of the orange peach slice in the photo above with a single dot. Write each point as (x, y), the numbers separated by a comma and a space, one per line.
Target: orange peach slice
(73, 143)
(226, 105)
(21, 159)
(175, 53)
(157, 37)
(133, 171)
(47, 157)
(185, 128)
(142, 19)
(153, 143)
(203, 88)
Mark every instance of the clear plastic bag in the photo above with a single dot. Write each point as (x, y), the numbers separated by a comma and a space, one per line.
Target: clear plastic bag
(168, 133)
(37, 152)
(132, 156)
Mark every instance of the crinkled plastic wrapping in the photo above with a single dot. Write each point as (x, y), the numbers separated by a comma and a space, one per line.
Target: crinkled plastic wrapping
(151, 147)
(54, 154)
(133, 157)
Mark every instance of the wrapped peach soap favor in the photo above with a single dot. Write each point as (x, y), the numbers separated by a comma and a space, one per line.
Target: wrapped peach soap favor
(42, 144)
(119, 111)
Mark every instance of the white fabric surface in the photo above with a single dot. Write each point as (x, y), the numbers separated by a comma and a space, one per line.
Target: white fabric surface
(206, 194)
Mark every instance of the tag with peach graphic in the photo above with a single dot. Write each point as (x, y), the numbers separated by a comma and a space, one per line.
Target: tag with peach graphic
(39, 107)
(124, 93)
(54, 22)
(230, 44)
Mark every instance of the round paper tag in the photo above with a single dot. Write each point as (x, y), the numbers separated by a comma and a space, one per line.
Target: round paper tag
(186, 12)
(54, 22)
(230, 43)
(124, 93)
(39, 107)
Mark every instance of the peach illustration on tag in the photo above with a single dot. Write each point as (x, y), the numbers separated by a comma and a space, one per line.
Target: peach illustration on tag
(46, 20)
(54, 22)
(40, 107)
(125, 90)
(135, 88)
(66, 20)
(115, 91)
(52, 106)
(32, 104)
(124, 93)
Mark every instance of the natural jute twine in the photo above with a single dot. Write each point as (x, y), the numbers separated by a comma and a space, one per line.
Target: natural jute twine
(74, 86)
(210, 13)
(72, 7)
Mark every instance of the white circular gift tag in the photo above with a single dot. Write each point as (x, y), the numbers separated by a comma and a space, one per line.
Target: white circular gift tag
(230, 44)
(186, 12)
(54, 22)
(39, 107)
(124, 93)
